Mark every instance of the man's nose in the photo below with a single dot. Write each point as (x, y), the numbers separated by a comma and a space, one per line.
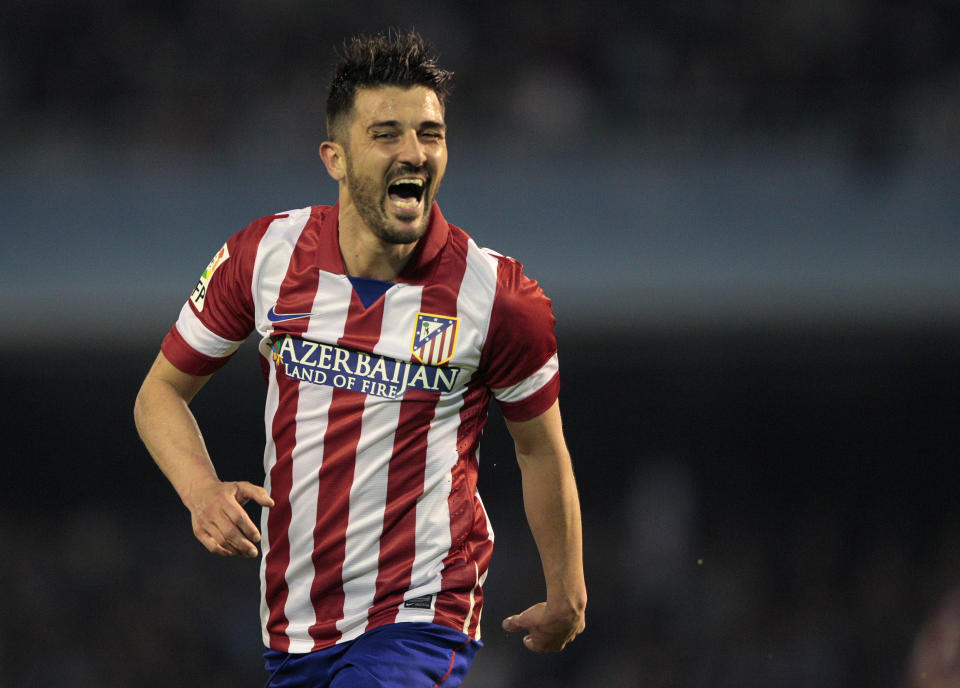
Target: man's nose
(412, 151)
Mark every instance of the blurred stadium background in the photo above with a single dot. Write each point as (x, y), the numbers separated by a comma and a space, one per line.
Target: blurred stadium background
(747, 216)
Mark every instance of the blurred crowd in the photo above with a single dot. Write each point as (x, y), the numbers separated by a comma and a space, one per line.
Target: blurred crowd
(878, 79)
(755, 516)
(125, 598)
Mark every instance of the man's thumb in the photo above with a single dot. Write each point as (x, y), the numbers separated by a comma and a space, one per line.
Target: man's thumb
(513, 623)
(255, 492)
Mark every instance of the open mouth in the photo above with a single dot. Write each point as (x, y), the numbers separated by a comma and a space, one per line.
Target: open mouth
(407, 193)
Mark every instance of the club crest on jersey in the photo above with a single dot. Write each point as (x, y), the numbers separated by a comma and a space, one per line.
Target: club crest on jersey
(434, 338)
(199, 295)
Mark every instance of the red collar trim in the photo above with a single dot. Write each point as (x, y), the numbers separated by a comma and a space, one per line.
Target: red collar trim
(421, 261)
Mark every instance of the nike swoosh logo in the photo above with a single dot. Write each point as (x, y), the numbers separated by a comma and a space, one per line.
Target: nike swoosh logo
(275, 317)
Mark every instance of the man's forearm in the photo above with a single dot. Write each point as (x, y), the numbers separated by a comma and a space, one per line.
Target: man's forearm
(171, 434)
(172, 437)
(553, 512)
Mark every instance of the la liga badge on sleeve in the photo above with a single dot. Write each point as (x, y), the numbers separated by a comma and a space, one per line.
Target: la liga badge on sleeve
(199, 295)
(434, 338)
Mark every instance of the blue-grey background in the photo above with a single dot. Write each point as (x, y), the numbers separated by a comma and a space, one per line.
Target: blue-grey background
(746, 215)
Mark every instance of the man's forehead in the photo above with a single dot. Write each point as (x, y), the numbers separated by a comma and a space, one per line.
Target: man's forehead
(397, 103)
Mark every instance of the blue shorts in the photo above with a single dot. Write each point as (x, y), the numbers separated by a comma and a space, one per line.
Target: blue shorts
(403, 655)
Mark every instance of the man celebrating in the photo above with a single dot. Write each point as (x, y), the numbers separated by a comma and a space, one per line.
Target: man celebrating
(384, 333)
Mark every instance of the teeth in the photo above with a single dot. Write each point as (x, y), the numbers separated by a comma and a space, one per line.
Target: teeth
(416, 182)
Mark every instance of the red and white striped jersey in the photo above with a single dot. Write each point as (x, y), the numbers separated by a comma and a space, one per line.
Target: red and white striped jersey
(373, 417)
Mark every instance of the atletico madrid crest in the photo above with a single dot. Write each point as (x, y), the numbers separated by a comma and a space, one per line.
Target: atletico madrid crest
(434, 338)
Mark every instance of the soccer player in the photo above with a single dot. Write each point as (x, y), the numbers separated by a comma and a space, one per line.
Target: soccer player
(384, 332)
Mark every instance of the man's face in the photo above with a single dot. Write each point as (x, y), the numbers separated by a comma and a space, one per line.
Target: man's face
(396, 155)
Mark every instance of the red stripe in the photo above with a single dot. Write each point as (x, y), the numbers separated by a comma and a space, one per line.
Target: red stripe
(362, 331)
(279, 516)
(480, 550)
(228, 308)
(521, 313)
(409, 460)
(184, 357)
(533, 405)
(442, 345)
(459, 575)
(284, 432)
(468, 542)
(404, 488)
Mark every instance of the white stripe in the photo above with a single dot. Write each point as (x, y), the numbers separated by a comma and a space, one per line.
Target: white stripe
(273, 254)
(483, 579)
(273, 259)
(473, 599)
(269, 460)
(201, 339)
(270, 267)
(433, 509)
(368, 494)
(483, 576)
(304, 494)
(474, 302)
(330, 309)
(368, 499)
(530, 385)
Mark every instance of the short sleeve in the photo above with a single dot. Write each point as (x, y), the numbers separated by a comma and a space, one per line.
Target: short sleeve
(519, 361)
(218, 316)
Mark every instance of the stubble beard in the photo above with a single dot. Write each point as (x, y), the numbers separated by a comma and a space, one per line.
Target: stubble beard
(370, 199)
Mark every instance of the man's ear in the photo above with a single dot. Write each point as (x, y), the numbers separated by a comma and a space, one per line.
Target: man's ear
(333, 158)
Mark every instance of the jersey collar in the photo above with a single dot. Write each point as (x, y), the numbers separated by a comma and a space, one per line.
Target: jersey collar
(421, 263)
(423, 259)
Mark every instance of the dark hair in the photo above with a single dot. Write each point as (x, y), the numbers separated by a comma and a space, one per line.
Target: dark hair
(394, 59)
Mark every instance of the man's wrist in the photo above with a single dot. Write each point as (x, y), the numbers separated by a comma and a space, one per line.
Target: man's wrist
(572, 604)
(188, 496)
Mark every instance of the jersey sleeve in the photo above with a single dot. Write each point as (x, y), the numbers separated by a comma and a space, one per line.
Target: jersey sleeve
(218, 316)
(519, 359)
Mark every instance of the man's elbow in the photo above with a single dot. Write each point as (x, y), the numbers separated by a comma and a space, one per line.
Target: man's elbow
(140, 407)
(149, 398)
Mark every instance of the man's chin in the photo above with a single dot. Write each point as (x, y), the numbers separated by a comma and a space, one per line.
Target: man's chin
(405, 228)
(403, 232)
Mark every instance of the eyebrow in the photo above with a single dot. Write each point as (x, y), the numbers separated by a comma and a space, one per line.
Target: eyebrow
(394, 124)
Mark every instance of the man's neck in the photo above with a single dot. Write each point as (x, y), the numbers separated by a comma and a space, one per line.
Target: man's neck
(366, 255)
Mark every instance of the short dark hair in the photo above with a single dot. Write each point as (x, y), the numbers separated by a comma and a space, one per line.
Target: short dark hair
(394, 59)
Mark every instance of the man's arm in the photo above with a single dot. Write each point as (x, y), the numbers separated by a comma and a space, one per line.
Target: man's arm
(553, 512)
(171, 435)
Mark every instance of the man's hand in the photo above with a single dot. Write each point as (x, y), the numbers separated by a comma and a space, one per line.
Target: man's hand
(219, 520)
(547, 630)
(171, 435)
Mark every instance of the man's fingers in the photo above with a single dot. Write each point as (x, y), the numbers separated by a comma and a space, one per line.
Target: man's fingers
(247, 491)
(241, 520)
(222, 524)
(531, 644)
(523, 620)
(544, 632)
(543, 643)
(221, 536)
(232, 537)
(213, 546)
(237, 519)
